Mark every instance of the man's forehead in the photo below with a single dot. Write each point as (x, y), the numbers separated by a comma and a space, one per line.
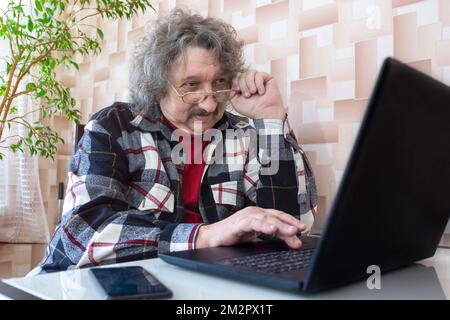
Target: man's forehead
(195, 62)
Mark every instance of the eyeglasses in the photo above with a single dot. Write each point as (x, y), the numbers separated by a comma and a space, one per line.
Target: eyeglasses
(199, 97)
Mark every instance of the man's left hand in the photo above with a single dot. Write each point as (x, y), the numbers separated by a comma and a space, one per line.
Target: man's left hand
(258, 96)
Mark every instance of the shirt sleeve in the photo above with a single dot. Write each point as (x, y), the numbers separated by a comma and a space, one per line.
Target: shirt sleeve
(99, 225)
(278, 174)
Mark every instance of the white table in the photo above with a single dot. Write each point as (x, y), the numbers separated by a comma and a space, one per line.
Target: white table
(428, 279)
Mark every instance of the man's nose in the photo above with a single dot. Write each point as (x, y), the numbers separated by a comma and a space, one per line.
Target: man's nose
(209, 104)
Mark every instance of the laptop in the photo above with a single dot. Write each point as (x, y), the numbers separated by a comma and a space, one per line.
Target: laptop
(391, 207)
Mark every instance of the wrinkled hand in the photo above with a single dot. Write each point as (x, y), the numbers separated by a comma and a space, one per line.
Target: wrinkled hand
(247, 224)
(258, 96)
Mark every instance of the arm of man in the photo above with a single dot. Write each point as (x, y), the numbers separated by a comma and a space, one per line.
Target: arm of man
(279, 181)
(279, 174)
(100, 224)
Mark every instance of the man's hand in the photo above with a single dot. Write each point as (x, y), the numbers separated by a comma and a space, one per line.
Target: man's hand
(258, 96)
(247, 224)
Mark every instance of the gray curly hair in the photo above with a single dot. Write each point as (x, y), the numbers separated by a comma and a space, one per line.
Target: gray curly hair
(166, 41)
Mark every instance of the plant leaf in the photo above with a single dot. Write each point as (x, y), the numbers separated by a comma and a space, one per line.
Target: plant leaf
(74, 64)
(100, 33)
(38, 5)
(52, 63)
(30, 25)
(41, 93)
(30, 86)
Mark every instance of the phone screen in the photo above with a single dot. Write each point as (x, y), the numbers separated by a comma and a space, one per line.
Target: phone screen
(130, 283)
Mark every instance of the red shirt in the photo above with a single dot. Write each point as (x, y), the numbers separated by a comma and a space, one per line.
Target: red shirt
(191, 178)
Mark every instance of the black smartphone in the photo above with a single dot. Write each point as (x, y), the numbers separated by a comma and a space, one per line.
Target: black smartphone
(130, 283)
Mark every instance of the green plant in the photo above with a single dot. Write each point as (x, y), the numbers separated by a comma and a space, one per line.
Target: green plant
(43, 35)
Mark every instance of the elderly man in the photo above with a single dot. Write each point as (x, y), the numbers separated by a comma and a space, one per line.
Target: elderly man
(130, 195)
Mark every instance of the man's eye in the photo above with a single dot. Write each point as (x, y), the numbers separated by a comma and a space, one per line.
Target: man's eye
(221, 81)
(190, 85)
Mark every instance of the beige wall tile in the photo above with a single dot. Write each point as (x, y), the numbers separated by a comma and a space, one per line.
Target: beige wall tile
(366, 68)
(405, 37)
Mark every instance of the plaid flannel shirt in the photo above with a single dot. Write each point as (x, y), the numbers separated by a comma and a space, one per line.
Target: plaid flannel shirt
(124, 199)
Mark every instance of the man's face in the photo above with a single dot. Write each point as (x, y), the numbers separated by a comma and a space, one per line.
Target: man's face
(195, 71)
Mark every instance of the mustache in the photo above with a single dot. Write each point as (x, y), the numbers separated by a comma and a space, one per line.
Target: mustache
(197, 111)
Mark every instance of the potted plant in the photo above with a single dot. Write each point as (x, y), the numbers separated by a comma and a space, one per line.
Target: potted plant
(41, 36)
(38, 40)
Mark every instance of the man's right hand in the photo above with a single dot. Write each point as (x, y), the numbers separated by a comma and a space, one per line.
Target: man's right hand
(247, 224)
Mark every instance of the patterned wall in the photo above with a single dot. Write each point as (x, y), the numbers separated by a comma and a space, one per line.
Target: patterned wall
(325, 55)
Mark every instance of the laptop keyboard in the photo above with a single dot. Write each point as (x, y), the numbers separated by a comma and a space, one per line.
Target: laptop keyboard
(274, 262)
